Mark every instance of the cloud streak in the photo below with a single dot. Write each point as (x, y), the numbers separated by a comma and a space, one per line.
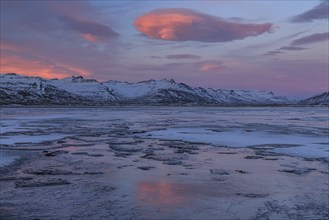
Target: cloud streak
(314, 38)
(295, 45)
(273, 53)
(182, 56)
(292, 48)
(318, 12)
(189, 25)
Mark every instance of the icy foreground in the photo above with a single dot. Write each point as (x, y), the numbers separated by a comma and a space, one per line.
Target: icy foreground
(18, 89)
(164, 163)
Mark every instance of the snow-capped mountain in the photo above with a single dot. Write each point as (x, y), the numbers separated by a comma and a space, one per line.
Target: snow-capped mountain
(19, 89)
(319, 99)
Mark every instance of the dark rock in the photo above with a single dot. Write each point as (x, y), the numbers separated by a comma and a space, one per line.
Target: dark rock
(49, 182)
(11, 178)
(241, 171)
(297, 171)
(173, 162)
(253, 157)
(271, 158)
(181, 151)
(122, 154)
(123, 166)
(55, 153)
(95, 155)
(146, 167)
(184, 147)
(126, 148)
(219, 172)
(218, 179)
(226, 153)
(93, 173)
(265, 153)
(48, 172)
(252, 195)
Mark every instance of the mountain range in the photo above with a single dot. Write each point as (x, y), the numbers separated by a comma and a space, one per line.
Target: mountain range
(24, 90)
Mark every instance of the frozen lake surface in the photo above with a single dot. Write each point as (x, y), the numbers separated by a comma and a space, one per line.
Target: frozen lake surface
(165, 162)
(306, 128)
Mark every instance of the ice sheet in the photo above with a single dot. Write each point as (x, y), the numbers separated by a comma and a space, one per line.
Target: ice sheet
(287, 125)
(308, 151)
(240, 138)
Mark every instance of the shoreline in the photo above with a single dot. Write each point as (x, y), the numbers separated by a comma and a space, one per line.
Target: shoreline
(162, 105)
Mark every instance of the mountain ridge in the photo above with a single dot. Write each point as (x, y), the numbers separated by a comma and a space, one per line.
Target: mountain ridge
(317, 99)
(27, 90)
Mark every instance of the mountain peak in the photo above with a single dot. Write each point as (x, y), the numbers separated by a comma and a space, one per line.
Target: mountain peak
(18, 89)
(171, 81)
(80, 79)
(317, 99)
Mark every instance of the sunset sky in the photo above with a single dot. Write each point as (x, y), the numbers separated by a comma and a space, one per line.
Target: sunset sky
(280, 46)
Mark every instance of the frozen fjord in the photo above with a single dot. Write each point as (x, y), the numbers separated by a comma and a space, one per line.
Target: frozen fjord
(307, 128)
(139, 161)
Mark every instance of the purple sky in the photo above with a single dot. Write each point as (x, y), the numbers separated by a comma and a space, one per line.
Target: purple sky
(280, 46)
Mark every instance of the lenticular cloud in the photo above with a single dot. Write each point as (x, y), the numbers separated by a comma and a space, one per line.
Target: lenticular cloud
(188, 25)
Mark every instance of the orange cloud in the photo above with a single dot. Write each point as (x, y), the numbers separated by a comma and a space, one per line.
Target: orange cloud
(15, 64)
(188, 25)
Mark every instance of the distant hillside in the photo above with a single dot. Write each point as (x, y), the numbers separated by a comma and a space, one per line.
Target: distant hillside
(19, 89)
(319, 99)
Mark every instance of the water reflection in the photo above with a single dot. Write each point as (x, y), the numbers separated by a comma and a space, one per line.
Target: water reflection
(160, 194)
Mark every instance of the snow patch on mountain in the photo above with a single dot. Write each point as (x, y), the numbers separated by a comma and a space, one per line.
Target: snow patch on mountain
(87, 88)
(318, 99)
(18, 89)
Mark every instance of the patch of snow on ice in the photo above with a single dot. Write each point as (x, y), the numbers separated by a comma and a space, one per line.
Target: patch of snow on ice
(240, 138)
(11, 140)
(309, 151)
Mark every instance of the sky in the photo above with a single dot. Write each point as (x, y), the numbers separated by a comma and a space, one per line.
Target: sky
(281, 46)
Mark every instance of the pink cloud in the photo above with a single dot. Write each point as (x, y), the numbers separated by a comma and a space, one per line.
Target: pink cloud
(89, 30)
(89, 37)
(211, 67)
(189, 25)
